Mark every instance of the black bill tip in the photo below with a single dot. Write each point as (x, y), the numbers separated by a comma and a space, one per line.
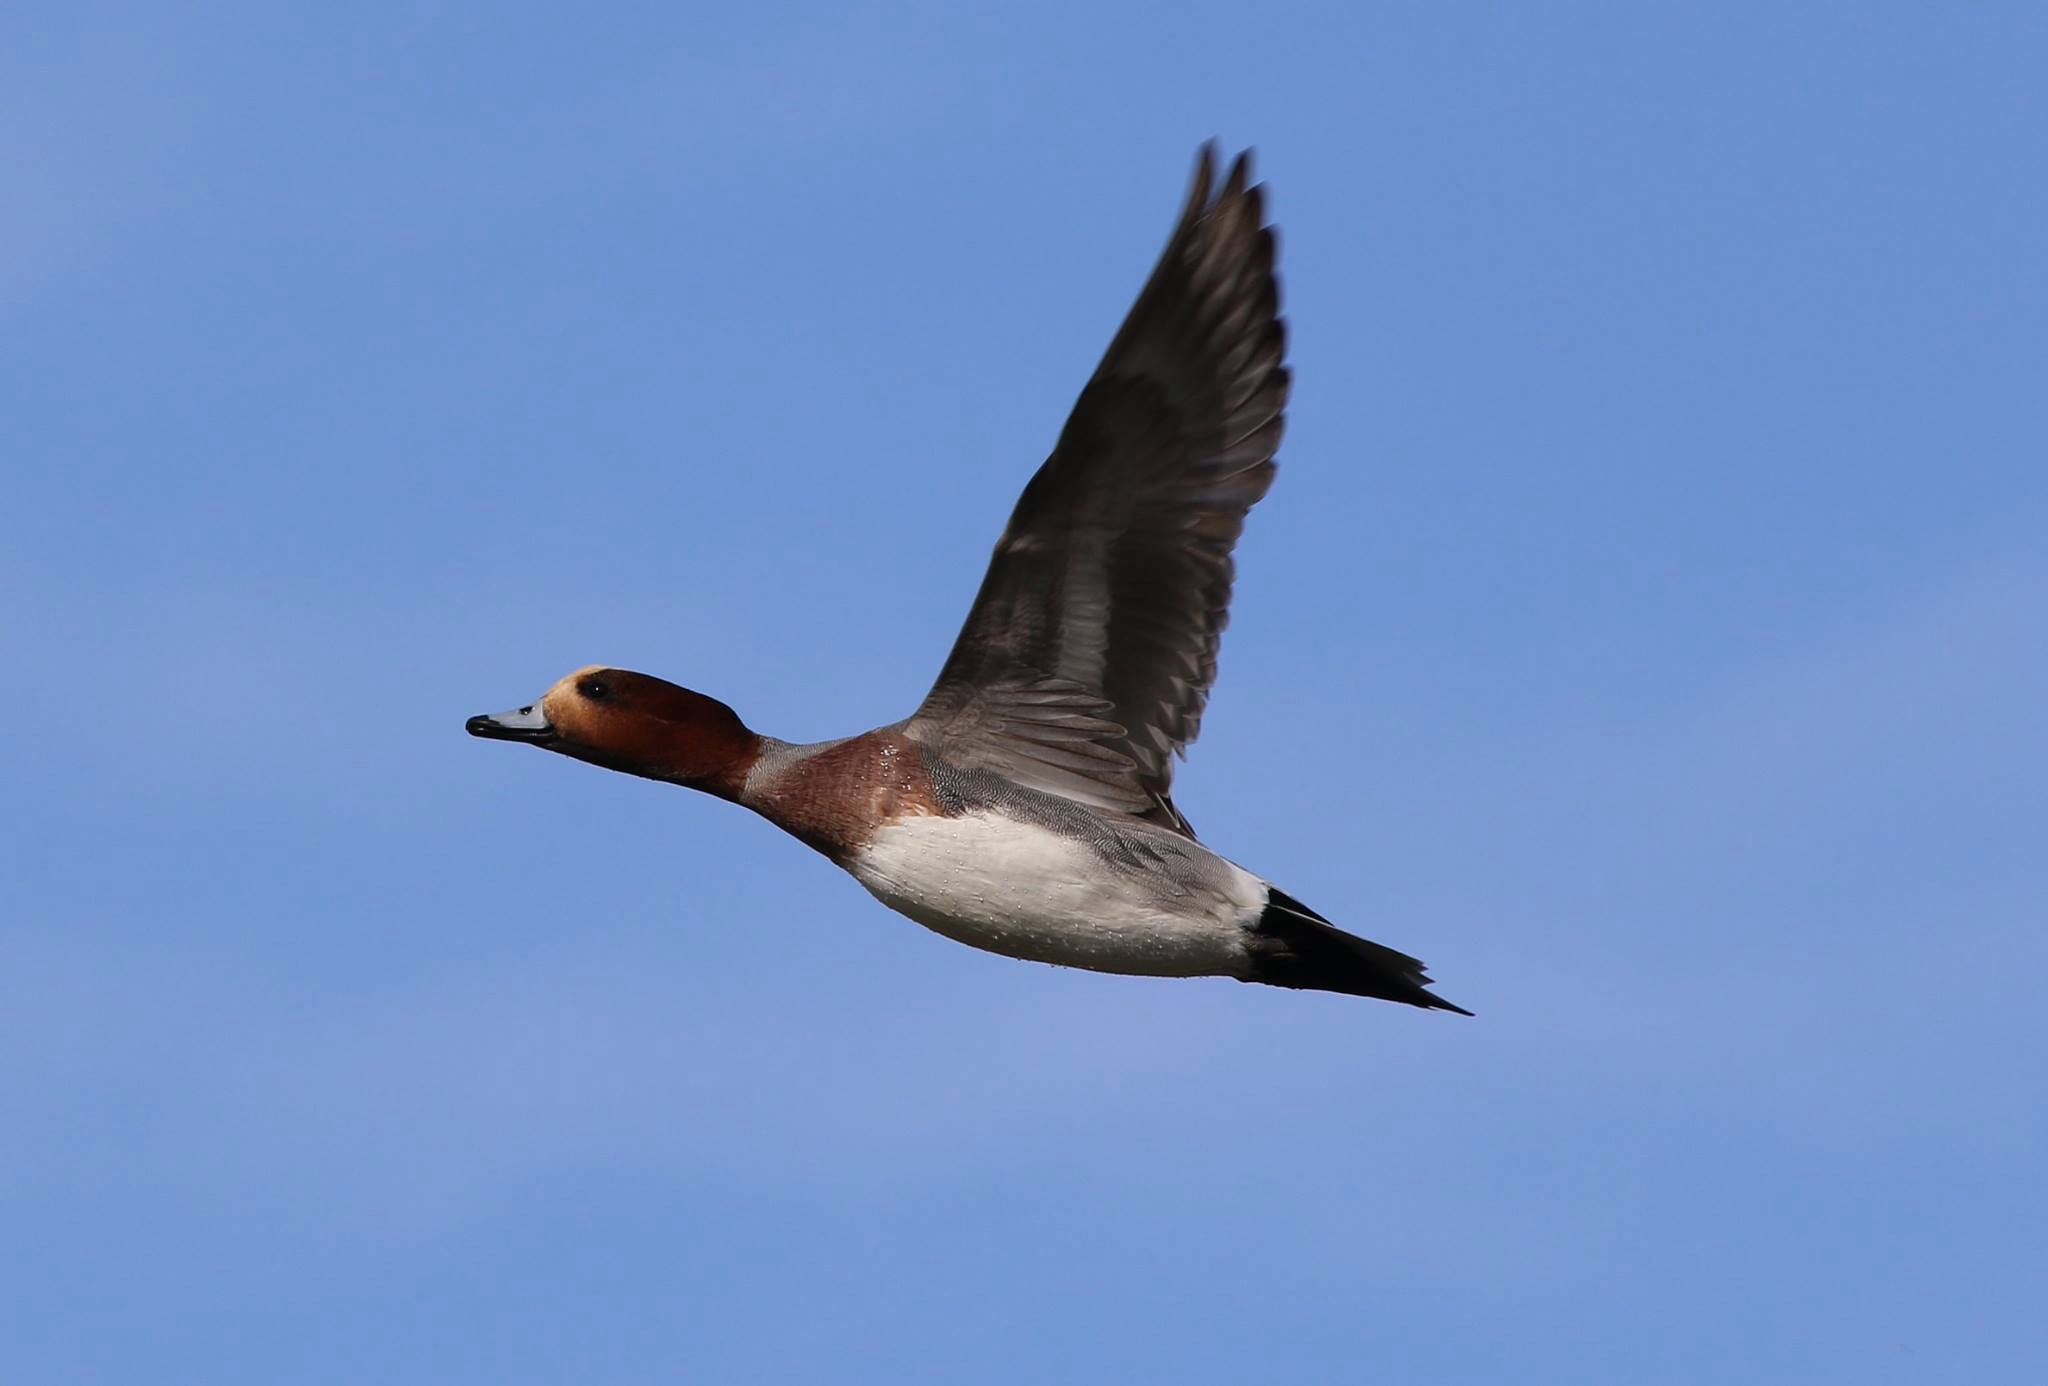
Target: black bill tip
(521, 724)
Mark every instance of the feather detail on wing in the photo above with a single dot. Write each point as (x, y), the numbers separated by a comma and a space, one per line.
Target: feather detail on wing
(1086, 662)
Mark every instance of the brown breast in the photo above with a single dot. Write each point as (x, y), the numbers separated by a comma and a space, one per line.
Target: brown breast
(834, 799)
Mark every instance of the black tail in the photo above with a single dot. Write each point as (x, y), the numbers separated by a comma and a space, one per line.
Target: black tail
(1294, 946)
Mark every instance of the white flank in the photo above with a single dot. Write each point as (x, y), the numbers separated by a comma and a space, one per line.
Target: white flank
(1015, 888)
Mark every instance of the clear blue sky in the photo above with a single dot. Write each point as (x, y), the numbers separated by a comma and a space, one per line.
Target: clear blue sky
(1647, 629)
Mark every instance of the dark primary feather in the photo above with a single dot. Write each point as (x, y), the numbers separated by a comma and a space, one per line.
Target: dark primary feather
(1088, 656)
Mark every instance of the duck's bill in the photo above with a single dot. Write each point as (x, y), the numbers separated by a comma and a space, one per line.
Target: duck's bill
(520, 724)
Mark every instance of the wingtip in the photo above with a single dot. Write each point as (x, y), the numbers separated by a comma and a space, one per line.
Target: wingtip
(1238, 178)
(1202, 182)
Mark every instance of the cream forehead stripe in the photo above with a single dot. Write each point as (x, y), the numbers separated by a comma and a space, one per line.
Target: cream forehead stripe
(567, 683)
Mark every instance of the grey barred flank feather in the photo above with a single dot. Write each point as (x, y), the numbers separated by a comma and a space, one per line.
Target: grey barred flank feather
(1087, 659)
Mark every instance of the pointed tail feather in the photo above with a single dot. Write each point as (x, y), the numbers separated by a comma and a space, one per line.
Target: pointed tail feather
(1293, 946)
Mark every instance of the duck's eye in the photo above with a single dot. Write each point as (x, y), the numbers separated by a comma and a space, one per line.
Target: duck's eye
(597, 690)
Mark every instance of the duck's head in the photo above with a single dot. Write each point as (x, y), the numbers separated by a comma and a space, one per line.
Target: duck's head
(636, 723)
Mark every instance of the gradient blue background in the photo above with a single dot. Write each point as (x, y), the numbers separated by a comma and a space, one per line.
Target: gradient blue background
(1647, 629)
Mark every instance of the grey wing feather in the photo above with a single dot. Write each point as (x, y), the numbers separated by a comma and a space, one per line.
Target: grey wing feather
(1087, 659)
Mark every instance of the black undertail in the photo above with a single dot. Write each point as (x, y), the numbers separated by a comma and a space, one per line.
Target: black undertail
(1293, 946)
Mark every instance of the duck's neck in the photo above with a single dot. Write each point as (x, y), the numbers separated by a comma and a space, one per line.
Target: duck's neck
(716, 761)
(702, 744)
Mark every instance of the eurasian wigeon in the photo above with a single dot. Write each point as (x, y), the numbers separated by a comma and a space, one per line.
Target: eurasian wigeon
(1024, 808)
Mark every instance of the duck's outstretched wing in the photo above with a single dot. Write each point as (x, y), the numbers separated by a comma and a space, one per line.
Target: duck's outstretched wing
(1087, 659)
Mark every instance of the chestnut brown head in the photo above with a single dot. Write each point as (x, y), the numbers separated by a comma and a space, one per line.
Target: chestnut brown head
(635, 723)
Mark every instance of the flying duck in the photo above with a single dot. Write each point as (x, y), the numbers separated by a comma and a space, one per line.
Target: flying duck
(1026, 806)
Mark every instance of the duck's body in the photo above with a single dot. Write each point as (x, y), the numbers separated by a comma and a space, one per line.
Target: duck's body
(996, 865)
(1025, 807)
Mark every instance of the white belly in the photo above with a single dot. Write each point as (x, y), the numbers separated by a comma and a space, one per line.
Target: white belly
(1018, 889)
